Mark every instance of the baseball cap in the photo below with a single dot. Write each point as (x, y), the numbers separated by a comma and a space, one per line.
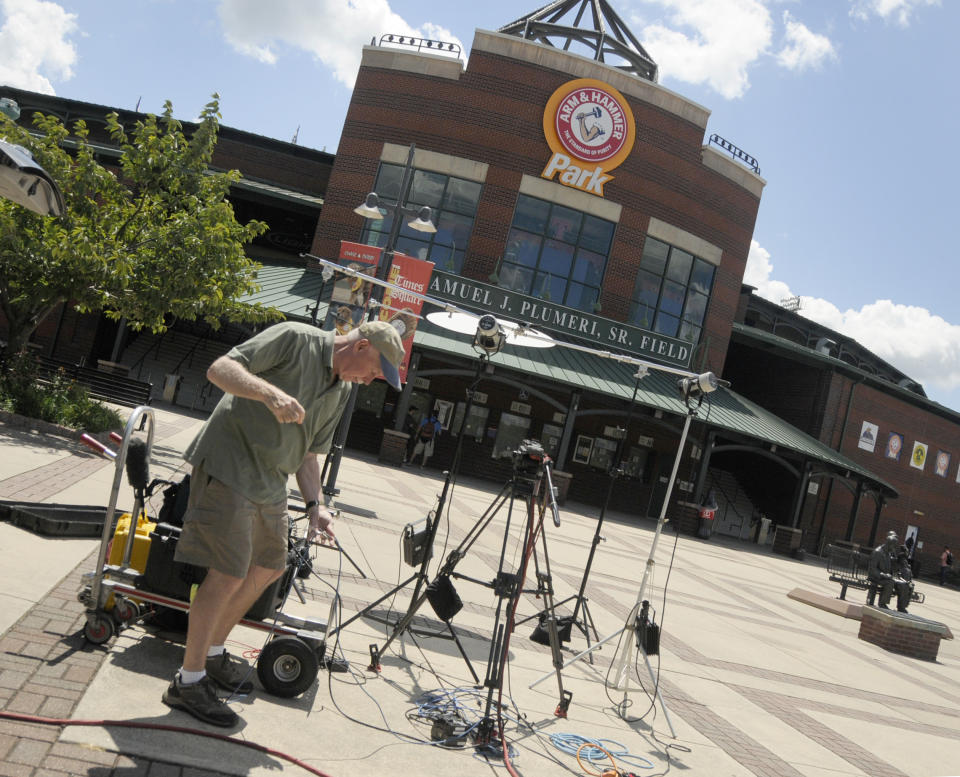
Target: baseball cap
(386, 340)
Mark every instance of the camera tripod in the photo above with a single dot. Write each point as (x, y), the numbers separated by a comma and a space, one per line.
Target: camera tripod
(421, 576)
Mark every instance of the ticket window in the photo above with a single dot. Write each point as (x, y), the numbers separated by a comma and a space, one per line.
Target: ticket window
(513, 429)
(635, 462)
(476, 423)
(372, 397)
(603, 453)
(550, 439)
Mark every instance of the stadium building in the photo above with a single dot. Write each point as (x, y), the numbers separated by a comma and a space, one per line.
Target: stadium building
(573, 194)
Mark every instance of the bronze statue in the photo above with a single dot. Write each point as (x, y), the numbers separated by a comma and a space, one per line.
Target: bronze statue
(886, 574)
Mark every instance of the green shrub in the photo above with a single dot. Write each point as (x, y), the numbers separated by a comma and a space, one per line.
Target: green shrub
(59, 400)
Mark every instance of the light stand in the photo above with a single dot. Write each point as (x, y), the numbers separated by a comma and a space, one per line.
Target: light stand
(422, 575)
(371, 209)
(587, 624)
(691, 388)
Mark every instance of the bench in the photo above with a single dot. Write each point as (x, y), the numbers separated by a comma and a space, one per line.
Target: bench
(849, 568)
(106, 386)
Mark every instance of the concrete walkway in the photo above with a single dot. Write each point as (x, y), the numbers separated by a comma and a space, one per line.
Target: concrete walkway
(754, 682)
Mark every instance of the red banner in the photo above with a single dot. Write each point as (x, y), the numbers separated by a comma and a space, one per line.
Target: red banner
(402, 309)
(358, 252)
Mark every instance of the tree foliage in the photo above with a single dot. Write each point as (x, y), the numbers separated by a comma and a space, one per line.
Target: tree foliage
(151, 238)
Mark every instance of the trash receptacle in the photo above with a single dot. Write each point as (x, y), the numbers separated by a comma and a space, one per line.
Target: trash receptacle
(171, 387)
(707, 513)
(763, 530)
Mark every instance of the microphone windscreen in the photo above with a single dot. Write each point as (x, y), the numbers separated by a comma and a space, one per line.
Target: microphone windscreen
(138, 469)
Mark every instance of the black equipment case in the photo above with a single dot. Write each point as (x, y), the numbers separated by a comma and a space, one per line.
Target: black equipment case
(167, 577)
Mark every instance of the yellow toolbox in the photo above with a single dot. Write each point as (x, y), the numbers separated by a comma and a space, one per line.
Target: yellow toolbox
(141, 542)
(141, 545)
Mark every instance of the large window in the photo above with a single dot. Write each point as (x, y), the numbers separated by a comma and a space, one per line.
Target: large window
(454, 203)
(556, 253)
(671, 292)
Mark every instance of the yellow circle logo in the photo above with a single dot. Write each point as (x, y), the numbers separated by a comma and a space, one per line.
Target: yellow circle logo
(589, 121)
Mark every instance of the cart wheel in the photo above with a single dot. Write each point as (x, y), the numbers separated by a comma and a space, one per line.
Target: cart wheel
(99, 629)
(125, 611)
(287, 666)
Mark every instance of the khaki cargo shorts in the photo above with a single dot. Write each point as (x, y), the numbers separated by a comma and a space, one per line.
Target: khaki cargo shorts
(224, 530)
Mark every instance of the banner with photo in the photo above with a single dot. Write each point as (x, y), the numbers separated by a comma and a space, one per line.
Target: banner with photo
(894, 446)
(402, 310)
(918, 459)
(942, 463)
(348, 300)
(868, 436)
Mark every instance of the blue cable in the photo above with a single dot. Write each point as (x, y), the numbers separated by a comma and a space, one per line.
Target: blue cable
(572, 744)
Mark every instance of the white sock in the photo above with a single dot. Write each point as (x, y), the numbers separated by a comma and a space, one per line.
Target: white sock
(189, 678)
(215, 650)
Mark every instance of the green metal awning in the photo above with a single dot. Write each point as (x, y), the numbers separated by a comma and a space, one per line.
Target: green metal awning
(293, 290)
(723, 409)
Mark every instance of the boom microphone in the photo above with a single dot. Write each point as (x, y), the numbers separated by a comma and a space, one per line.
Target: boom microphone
(138, 470)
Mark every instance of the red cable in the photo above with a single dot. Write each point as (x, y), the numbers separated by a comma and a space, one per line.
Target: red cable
(160, 727)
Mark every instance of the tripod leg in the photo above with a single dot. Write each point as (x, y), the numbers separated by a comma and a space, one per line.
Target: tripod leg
(463, 652)
(659, 696)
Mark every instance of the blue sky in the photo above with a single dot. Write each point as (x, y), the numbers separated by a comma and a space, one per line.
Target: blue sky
(849, 106)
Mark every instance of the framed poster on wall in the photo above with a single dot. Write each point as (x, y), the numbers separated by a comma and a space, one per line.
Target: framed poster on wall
(583, 449)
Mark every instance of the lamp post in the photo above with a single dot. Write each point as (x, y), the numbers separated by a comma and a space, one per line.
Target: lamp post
(373, 208)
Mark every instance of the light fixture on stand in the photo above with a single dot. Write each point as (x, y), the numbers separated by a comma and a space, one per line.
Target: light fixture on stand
(691, 387)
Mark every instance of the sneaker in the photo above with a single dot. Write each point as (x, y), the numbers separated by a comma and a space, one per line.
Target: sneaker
(231, 674)
(200, 700)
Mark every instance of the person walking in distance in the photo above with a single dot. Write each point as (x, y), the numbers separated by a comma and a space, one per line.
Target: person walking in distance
(430, 428)
(946, 561)
(284, 392)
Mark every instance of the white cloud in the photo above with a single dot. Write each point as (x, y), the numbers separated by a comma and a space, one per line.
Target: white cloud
(912, 339)
(333, 31)
(712, 42)
(804, 48)
(34, 45)
(896, 10)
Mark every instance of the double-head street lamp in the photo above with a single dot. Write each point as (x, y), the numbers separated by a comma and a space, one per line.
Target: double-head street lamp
(420, 221)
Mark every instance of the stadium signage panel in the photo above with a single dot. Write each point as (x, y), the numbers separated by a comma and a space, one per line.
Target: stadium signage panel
(590, 129)
(598, 332)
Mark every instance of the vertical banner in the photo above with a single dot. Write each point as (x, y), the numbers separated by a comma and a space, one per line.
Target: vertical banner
(349, 297)
(919, 456)
(894, 446)
(403, 310)
(943, 463)
(868, 436)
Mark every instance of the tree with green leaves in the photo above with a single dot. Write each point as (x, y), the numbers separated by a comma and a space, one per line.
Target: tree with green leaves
(151, 239)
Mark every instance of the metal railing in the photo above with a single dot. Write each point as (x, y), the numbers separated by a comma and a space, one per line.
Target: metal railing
(438, 46)
(736, 153)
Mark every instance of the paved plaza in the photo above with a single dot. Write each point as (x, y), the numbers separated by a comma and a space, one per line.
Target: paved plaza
(754, 682)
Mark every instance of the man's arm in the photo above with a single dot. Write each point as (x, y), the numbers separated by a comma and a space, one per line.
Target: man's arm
(308, 481)
(231, 377)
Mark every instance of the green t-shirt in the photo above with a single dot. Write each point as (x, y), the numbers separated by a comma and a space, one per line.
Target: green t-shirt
(242, 444)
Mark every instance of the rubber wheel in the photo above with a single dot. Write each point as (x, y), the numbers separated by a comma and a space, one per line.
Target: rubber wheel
(99, 629)
(125, 611)
(287, 666)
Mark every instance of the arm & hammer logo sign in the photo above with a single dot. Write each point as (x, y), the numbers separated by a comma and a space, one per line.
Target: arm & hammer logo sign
(590, 129)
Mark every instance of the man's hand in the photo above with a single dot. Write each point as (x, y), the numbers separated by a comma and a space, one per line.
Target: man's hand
(321, 526)
(285, 408)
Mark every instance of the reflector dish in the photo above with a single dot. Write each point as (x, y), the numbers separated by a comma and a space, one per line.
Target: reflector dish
(466, 324)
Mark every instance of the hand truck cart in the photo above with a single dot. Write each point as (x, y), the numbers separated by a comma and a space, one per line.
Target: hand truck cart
(287, 665)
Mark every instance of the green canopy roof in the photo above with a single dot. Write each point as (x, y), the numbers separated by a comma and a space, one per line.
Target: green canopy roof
(294, 290)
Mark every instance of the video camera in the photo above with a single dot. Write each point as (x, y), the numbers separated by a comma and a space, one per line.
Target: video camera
(528, 457)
